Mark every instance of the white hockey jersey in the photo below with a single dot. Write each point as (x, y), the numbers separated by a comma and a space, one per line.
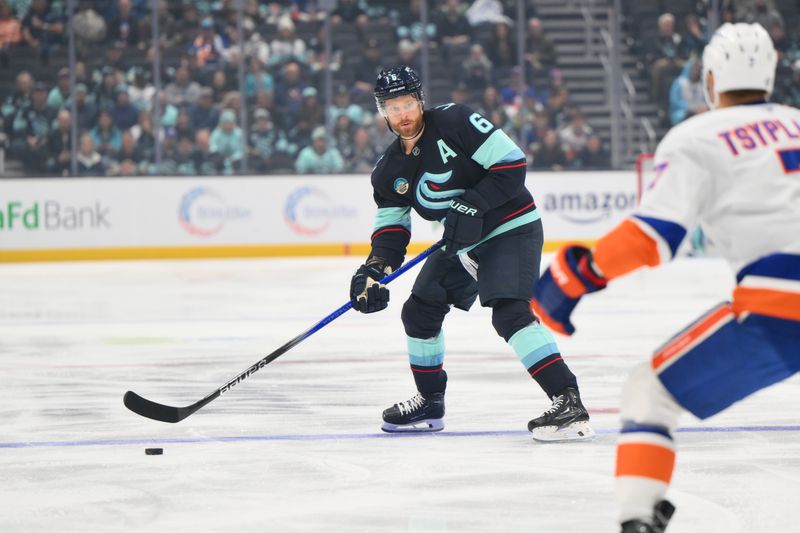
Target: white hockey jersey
(736, 173)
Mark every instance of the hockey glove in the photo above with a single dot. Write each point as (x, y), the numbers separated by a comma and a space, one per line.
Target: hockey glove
(464, 222)
(568, 278)
(367, 294)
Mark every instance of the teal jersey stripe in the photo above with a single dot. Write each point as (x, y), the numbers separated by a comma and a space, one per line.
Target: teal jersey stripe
(532, 344)
(514, 223)
(393, 216)
(426, 352)
(496, 149)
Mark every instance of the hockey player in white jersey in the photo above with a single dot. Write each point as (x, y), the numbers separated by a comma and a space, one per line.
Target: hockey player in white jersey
(735, 172)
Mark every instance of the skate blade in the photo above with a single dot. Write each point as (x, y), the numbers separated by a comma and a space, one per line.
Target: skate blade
(423, 426)
(577, 431)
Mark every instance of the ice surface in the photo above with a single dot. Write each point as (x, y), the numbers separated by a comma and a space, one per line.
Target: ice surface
(297, 446)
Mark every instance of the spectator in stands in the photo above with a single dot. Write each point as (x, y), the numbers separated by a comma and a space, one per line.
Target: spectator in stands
(182, 91)
(476, 70)
(269, 148)
(90, 162)
(686, 94)
(407, 55)
(289, 92)
(43, 27)
(116, 57)
(409, 24)
(342, 135)
(60, 93)
(203, 114)
(59, 145)
(491, 12)
(453, 30)
(208, 47)
(759, 11)
(125, 115)
(593, 156)
(534, 129)
(380, 134)
(319, 157)
(30, 127)
(140, 90)
(227, 142)
(540, 52)
(104, 95)
(362, 157)
(204, 160)
(19, 99)
(575, 134)
(501, 48)
(663, 55)
(557, 98)
(125, 162)
(171, 31)
(366, 71)
(549, 155)
(318, 63)
(220, 85)
(349, 12)
(169, 149)
(310, 116)
(287, 47)
(458, 94)
(106, 137)
(343, 106)
(490, 101)
(89, 28)
(694, 40)
(124, 27)
(257, 79)
(183, 125)
(514, 94)
(144, 134)
(10, 35)
(87, 111)
(184, 161)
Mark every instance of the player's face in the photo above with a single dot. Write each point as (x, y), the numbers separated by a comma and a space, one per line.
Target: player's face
(404, 114)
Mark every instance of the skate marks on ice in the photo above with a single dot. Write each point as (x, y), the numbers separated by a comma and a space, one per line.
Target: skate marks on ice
(298, 447)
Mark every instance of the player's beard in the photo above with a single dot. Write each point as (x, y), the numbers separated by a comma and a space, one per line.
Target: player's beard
(410, 130)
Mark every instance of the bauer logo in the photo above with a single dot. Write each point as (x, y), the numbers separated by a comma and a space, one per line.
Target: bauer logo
(589, 207)
(309, 211)
(204, 213)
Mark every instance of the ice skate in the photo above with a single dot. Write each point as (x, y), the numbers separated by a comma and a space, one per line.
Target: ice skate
(566, 420)
(423, 412)
(662, 512)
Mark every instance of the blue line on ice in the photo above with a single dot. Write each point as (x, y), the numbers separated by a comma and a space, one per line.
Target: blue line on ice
(355, 436)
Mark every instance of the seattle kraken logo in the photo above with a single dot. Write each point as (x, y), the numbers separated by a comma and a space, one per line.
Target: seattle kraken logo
(429, 194)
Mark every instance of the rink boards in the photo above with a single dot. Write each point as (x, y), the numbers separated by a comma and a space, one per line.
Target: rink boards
(187, 217)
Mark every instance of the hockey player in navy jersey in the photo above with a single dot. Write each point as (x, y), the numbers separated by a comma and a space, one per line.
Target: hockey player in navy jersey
(451, 164)
(735, 171)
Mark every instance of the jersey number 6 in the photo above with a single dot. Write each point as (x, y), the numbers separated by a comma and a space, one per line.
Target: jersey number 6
(480, 123)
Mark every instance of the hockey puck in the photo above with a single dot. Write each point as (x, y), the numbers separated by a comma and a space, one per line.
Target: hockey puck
(154, 451)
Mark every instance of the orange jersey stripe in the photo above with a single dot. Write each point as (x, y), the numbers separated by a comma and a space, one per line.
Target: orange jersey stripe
(768, 302)
(624, 249)
(680, 343)
(645, 460)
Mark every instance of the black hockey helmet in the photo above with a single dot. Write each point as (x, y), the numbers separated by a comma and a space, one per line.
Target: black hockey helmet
(397, 81)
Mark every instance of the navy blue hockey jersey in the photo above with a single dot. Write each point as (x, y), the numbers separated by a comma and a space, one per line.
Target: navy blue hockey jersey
(459, 150)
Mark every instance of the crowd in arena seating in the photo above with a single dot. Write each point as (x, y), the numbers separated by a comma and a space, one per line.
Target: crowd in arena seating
(287, 126)
(672, 56)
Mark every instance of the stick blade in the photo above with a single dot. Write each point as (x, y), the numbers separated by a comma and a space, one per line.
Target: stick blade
(149, 409)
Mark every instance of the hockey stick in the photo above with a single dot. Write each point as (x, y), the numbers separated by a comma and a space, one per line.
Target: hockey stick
(167, 413)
